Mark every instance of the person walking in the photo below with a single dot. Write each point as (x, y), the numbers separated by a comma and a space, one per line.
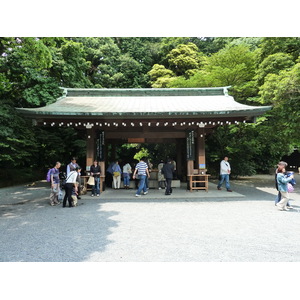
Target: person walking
(55, 186)
(71, 183)
(160, 177)
(142, 169)
(126, 175)
(278, 197)
(282, 182)
(96, 172)
(225, 170)
(117, 175)
(167, 171)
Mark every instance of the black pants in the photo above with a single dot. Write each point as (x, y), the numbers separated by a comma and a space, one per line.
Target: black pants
(169, 183)
(68, 194)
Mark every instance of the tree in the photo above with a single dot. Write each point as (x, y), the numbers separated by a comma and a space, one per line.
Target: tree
(272, 45)
(72, 65)
(283, 92)
(233, 65)
(273, 64)
(160, 77)
(185, 58)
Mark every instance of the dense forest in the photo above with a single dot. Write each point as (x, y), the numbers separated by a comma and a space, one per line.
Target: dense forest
(261, 71)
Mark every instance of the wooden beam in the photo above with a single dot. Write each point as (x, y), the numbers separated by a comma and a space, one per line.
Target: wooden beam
(147, 135)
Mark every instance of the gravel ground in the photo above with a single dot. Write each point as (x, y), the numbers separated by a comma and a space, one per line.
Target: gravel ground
(243, 226)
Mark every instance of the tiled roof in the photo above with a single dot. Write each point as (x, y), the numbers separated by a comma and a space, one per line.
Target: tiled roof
(147, 102)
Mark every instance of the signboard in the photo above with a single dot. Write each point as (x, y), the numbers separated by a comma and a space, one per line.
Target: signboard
(190, 145)
(136, 140)
(100, 146)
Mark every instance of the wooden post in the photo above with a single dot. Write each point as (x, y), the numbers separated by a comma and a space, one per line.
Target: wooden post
(102, 177)
(200, 155)
(179, 158)
(90, 147)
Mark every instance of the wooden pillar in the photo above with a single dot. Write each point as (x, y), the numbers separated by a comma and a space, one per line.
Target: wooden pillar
(90, 147)
(179, 157)
(200, 152)
(102, 177)
(190, 167)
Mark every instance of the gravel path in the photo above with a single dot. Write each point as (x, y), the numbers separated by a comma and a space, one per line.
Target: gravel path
(243, 226)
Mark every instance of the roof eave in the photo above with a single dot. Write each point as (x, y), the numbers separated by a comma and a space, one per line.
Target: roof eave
(192, 114)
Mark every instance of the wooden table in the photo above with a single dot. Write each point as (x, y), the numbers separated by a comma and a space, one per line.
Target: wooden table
(198, 178)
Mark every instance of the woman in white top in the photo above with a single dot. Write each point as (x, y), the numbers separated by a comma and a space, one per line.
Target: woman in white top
(71, 183)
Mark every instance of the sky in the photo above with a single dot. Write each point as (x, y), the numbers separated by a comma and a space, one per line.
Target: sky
(152, 18)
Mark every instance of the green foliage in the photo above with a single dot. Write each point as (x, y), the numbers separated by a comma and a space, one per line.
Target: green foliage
(184, 58)
(260, 71)
(272, 45)
(160, 76)
(142, 153)
(233, 65)
(273, 64)
(18, 145)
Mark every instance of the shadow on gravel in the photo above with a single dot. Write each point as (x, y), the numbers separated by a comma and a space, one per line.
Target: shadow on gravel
(37, 232)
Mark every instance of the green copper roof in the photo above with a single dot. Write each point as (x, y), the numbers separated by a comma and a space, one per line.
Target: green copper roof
(146, 103)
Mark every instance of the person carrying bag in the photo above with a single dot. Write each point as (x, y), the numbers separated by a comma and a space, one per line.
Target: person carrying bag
(117, 175)
(95, 178)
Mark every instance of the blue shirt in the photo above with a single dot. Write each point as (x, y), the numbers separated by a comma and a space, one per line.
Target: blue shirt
(55, 173)
(282, 182)
(116, 168)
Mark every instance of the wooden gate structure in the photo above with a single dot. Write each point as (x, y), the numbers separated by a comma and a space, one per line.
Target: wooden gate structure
(183, 116)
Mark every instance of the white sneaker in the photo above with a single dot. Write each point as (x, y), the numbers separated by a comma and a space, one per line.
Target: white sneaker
(98, 195)
(145, 193)
(159, 188)
(137, 195)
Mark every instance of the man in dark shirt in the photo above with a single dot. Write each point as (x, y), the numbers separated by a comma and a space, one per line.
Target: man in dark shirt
(96, 172)
(167, 171)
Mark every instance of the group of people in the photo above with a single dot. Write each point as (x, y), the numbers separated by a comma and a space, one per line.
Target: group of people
(142, 172)
(72, 183)
(165, 176)
(284, 182)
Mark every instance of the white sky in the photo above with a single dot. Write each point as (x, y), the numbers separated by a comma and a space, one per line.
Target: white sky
(149, 18)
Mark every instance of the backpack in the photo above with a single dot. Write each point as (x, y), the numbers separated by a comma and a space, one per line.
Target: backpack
(48, 177)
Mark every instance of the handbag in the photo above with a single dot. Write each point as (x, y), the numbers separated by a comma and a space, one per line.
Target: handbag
(116, 174)
(60, 196)
(290, 188)
(91, 181)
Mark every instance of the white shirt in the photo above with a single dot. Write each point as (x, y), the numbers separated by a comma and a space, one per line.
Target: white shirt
(127, 169)
(72, 177)
(224, 167)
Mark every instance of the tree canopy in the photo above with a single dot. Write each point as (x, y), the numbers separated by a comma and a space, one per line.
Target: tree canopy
(261, 71)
